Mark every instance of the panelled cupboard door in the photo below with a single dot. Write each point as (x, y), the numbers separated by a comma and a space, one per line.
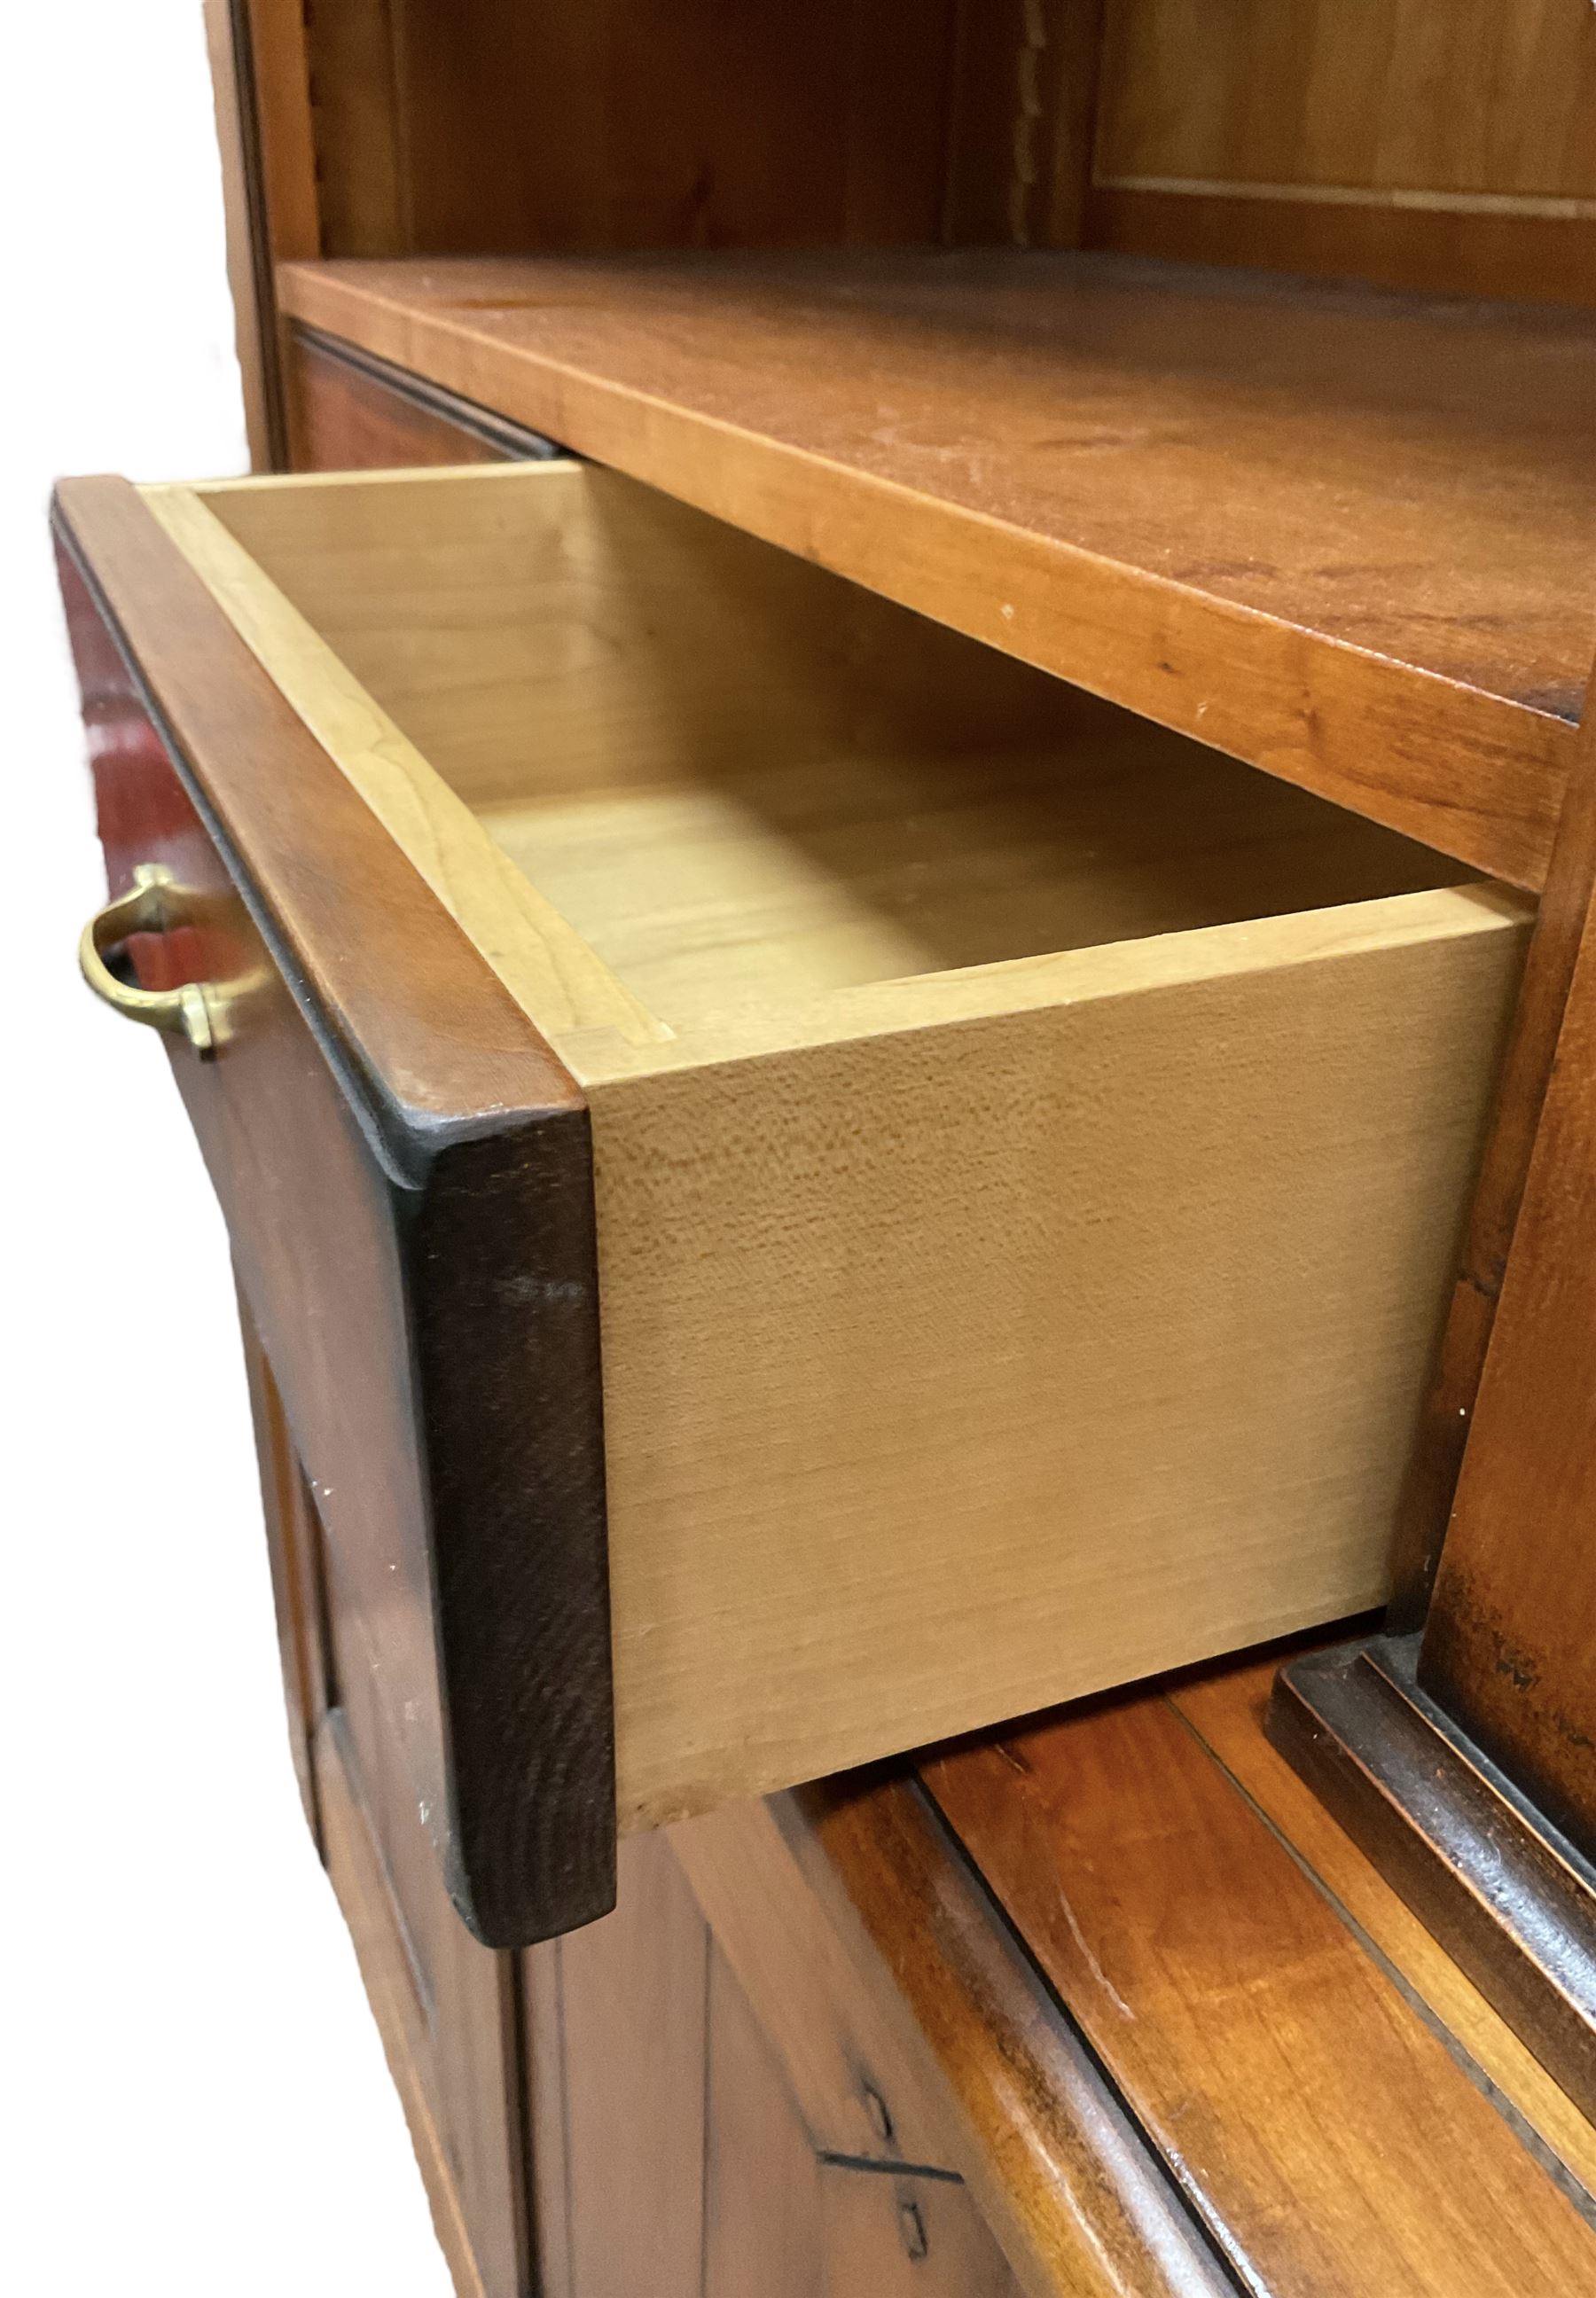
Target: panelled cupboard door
(446, 2007)
(691, 2167)
(1013, 1156)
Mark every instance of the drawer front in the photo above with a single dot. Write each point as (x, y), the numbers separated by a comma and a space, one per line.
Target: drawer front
(405, 1174)
(350, 411)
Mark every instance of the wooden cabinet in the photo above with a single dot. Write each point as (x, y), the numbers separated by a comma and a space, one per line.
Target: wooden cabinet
(873, 1061)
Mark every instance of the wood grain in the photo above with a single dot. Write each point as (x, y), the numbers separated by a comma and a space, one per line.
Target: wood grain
(788, 2224)
(1508, 1637)
(1417, 147)
(1289, 541)
(352, 412)
(857, 2092)
(1459, 246)
(249, 260)
(1227, 1709)
(1059, 2169)
(1464, 99)
(1023, 114)
(1431, 1487)
(370, 1131)
(635, 2012)
(548, 968)
(356, 1872)
(1093, 1373)
(810, 1429)
(293, 1545)
(1321, 2126)
(603, 123)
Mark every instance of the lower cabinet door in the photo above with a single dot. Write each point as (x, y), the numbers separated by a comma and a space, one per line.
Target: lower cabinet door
(672, 2153)
(447, 2009)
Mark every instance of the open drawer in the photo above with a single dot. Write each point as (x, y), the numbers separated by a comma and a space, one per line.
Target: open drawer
(1007, 1160)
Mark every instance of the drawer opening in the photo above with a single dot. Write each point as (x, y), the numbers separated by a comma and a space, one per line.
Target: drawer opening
(744, 782)
(1028, 1150)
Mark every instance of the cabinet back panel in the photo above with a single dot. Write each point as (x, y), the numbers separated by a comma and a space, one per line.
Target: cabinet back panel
(1410, 141)
(600, 124)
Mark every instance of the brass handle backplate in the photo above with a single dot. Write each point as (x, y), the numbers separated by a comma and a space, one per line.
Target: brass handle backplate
(154, 903)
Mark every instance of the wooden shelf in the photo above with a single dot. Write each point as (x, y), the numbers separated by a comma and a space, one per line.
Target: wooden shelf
(1348, 536)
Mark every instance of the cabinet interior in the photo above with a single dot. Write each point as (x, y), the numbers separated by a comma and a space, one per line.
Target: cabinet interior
(1059, 320)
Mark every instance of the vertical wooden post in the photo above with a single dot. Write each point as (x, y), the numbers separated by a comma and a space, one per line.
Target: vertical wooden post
(1462, 1755)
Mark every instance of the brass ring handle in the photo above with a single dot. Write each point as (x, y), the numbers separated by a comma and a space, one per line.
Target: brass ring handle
(154, 903)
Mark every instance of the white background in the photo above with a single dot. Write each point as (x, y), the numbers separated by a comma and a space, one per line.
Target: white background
(196, 2097)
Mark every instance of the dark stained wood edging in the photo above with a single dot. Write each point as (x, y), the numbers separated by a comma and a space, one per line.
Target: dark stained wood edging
(1512, 1904)
(478, 1163)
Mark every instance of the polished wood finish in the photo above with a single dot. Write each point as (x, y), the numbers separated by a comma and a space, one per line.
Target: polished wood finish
(857, 863)
(1459, 247)
(486, 2249)
(1060, 2168)
(1406, 1740)
(822, 2008)
(352, 412)
(1312, 559)
(1432, 1484)
(788, 2222)
(635, 2019)
(384, 1118)
(1333, 2136)
(463, 1999)
(1507, 1644)
(294, 1548)
(1510, 1903)
(1421, 147)
(606, 123)
(688, 2159)
(1460, 101)
(1178, 2034)
(248, 262)
(1228, 1708)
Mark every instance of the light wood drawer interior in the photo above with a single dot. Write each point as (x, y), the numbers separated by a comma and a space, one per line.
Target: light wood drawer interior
(1030, 1148)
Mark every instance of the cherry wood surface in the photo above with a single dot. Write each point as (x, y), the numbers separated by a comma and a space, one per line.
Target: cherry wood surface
(1465, 1758)
(1508, 1642)
(383, 1128)
(679, 2155)
(294, 1543)
(1555, 944)
(1346, 536)
(1484, 248)
(352, 412)
(1332, 2133)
